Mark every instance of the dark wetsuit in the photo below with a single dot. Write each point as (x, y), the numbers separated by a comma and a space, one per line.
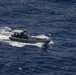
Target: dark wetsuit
(22, 35)
(26, 35)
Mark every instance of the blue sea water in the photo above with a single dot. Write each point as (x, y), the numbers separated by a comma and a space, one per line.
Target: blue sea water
(55, 17)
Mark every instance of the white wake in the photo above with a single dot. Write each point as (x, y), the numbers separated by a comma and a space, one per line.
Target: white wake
(6, 32)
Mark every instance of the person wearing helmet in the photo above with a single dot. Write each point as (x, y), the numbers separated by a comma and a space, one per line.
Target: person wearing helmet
(24, 34)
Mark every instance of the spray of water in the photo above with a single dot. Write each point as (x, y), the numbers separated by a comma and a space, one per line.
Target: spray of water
(6, 32)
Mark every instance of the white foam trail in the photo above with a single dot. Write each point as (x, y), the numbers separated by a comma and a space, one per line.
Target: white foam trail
(16, 44)
(41, 36)
(3, 37)
(6, 32)
(19, 44)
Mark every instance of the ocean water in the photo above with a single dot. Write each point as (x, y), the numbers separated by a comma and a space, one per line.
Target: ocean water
(55, 19)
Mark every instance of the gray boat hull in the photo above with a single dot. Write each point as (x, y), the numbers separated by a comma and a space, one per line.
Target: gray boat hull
(30, 40)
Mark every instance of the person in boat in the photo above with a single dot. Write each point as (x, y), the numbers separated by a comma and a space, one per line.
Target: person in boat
(22, 35)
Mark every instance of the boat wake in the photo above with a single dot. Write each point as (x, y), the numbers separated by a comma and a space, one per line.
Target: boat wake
(6, 32)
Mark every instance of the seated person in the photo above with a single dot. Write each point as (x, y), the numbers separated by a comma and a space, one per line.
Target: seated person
(24, 34)
(16, 35)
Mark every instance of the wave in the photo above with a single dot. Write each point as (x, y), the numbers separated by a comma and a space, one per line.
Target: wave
(28, 1)
(6, 32)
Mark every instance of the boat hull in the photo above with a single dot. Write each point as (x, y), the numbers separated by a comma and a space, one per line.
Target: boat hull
(30, 40)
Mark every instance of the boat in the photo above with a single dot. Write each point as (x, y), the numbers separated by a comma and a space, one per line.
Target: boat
(24, 37)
